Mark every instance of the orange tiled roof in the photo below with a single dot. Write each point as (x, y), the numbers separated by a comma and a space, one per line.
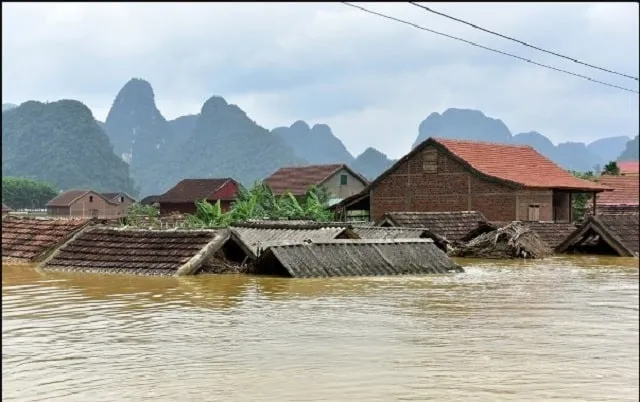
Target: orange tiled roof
(625, 190)
(298, 179)
(629, 167)
(519, 164)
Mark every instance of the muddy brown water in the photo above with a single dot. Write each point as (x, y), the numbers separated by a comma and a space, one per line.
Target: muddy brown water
(562, 329)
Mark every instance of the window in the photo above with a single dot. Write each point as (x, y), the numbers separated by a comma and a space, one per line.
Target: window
(430, 161)
(90, 198)
(534, 213)
(343, 179)
(121, 199)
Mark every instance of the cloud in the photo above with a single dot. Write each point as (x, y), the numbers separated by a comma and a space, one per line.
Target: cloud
(372, 80)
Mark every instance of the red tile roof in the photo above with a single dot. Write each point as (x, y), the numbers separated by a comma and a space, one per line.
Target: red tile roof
(625, 190)
(520, 164)
(69, 197)
(192, 190)
(629, 167)
(298, 179)
(517, 164)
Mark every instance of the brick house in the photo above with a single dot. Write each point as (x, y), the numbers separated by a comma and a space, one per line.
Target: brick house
(338, 179)
(183, 196)
(123, 200)
(629, 168)
(625, 196)
(83, 204)
(503, 182)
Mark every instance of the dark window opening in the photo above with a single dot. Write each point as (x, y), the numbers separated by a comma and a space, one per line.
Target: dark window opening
(90, 198)
(343, 180)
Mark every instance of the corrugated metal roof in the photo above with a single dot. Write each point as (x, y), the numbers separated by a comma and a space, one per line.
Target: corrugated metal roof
(256, 237)
(355, 258)
(377, 232)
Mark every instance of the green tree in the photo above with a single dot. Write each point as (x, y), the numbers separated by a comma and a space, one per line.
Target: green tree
(19, 192)
(259, 202)
(581, 200)
(611, 168)
(137, 215)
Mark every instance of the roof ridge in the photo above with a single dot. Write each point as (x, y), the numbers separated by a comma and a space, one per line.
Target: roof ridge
(311, 165)
(504, 144)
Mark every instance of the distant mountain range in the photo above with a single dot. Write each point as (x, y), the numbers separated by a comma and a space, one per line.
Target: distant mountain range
(61, 143)
(136, 144)
(631, 150)
(474, 125)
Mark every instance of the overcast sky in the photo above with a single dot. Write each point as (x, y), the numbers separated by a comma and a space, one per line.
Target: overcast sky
(372, 80)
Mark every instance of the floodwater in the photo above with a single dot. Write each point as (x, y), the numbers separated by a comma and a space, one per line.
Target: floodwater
(562, 329)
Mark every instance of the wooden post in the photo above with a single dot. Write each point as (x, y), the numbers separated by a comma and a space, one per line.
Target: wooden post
(570, 207)
(593, 212)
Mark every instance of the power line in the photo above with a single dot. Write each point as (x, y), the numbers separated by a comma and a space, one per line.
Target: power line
(521, 42)
(488, 48)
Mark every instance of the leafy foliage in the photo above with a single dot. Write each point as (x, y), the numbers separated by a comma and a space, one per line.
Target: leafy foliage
(580, 200)
(260, 203)
(61, 143)
(138, 214)
(19, 192)
(611, 168)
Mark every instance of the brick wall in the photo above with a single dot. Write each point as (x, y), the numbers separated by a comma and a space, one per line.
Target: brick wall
(542, 198)
(450, 187)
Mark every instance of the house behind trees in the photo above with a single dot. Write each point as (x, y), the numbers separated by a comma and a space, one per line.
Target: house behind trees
(182, 197)
(338, 179)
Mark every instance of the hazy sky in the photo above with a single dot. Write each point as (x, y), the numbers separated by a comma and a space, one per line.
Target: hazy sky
(372, 80)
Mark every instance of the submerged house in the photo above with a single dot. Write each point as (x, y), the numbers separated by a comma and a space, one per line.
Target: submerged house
(355, 258)
(338, 179)
(182, 197)
(615, 234)
(625, 196)
(146, 252)
(629, 168)
(255, 237)
(452, 226)
(503, 182)
(83, 204)
(27, 240)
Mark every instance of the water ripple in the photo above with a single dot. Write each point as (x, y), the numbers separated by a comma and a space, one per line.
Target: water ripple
(562, 329)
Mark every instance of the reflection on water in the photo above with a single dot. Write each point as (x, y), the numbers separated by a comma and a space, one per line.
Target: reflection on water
(563, 329)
